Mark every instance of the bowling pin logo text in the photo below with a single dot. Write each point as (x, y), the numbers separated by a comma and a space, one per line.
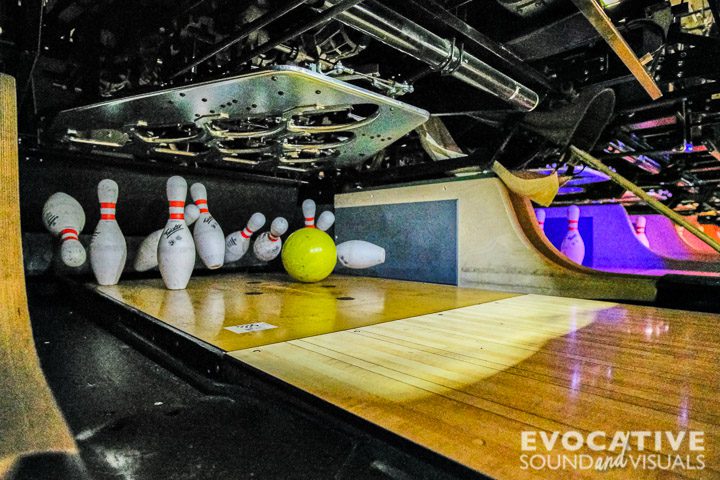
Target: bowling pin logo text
(171, 231)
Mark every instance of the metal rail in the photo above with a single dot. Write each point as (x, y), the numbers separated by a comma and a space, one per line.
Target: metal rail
(396, 31)
(499, 51)
(602, 23)
(246, 31)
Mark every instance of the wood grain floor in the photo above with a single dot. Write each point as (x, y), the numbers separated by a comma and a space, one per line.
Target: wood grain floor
(463, 372)
(466, 382)
(297, 310)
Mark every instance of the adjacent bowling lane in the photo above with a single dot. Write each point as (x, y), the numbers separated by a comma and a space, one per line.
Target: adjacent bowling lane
(235, 311)
(611, 244)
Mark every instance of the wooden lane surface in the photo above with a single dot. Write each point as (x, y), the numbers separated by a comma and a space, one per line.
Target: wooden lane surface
(210, 304)
(465, 383)
(29, 418)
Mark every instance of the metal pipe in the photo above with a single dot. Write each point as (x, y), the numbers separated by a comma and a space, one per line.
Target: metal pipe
(396, 31)
(499, 51)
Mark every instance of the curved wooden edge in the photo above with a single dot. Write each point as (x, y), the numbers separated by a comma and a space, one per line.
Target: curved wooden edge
(599, 284)
(499, 245)
(30, 420)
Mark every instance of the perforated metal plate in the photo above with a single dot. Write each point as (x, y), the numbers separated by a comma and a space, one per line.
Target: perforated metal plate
(286, 116)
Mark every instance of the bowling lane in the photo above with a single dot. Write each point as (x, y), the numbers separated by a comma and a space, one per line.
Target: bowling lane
(287, 310)
(466, 383)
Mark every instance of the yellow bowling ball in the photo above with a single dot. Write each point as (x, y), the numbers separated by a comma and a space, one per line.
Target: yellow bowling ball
(309, 255)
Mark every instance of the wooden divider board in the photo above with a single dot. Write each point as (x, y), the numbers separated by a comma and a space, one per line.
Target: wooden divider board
(235, 311)
(29, 418)
(465, 383)
(500, 246)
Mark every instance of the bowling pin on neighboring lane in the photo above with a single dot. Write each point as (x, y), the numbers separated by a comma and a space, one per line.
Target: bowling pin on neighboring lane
(237, 243)
(640, 224)
(64, 217)
(209, 237)
(269, 244)
(360, 254)
(308, 209)
(325, 221)
(540, 214)
(572, 245)
(176, 248)
(146, 255)
(108, 250)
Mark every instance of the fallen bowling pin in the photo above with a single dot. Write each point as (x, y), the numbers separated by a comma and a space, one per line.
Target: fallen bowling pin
(64, 217)
(176, 248)
(308, 209)
(325, 221)
(209, 237)
(573, 245)
(237, 243)
(540, 214)
(640, 225)
(146, 256)
(269, 244)
(360, 254)
(108, 250)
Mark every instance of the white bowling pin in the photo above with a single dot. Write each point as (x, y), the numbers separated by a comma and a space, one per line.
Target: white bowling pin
(325, 221)
(176, 249)
(64, 217)
(237, 243)
(192, 213)
(308, 209)
(540, 214)
(269, 244)
(640, 224)
(572, 245)
(108, 250)
(209, 237)
(360, 254)
(146, 256)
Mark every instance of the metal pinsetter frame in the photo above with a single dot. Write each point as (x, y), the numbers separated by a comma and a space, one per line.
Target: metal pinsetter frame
(261, 120)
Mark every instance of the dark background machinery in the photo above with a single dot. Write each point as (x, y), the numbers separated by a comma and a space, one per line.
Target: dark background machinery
(67, 53)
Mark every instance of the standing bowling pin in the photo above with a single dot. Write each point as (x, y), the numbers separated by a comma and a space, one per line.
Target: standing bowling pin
(360, 254)
(325, 221)
(308, 209)
(540, 214)
(209, 237)
(146, 256)
(572, 245)
(237, 243)
(640, 224)
(108, 250)
(64, 217)
(176, 249)
(269, 244)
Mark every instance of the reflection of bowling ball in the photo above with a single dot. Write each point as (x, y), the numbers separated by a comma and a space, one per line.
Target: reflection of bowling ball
(309, 255)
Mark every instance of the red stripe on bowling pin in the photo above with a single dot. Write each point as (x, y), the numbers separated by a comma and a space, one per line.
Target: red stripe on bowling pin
(69, 234)
(107, 211)
(310, 222)
(572, 224)
(177, 209)
(202, 205)
(246, 233)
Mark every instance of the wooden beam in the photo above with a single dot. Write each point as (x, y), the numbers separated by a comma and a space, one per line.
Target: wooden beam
(29, 418)
(602, 23)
